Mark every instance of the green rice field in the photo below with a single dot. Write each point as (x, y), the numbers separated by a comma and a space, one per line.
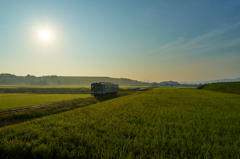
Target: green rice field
(10, 101)
(43, 86)
(159, 123)
(59, 89)
(63, 86)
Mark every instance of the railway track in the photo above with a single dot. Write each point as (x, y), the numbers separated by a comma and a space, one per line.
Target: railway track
(39, 106)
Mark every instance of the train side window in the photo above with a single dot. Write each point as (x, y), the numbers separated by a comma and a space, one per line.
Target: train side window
(99, 87)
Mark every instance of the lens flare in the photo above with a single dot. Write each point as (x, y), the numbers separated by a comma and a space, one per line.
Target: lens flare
(45, 35)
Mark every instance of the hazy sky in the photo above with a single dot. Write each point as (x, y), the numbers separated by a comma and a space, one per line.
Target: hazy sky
(155, 40)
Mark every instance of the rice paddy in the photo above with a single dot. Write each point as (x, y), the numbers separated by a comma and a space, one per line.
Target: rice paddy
(11, 100)
(159, 123)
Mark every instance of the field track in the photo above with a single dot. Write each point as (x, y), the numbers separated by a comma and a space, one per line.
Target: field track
(40, 106)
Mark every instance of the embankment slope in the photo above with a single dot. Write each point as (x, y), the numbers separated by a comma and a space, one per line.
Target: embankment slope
(227, 87)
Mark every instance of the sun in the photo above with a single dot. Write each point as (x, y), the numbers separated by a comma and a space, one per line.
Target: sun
(45, 35)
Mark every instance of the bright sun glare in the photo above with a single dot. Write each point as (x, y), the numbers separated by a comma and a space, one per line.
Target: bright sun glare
(45, 35)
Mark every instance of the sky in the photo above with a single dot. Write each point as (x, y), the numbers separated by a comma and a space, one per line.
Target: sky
(145, 40)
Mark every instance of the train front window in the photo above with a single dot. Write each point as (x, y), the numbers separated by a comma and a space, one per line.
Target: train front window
(93, 87)
(99, 87)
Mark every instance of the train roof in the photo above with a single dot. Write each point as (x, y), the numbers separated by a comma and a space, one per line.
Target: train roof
(105, 83)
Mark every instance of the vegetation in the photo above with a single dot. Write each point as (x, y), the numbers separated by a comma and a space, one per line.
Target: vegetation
(124, 88)
(159, 123)
(18, 117)
(10, 101)
(47, 86)
(65, 89)
(201, 86)
(227, 87)
(43, 90)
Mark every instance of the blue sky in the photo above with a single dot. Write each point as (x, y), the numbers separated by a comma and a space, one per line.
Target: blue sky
(144, 40)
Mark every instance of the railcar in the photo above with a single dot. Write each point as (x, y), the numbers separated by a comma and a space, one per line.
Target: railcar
(104, 88)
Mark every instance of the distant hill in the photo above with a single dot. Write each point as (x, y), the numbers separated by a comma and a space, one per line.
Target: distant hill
(225, 80)
(212, 81)
(227, 87)
(10, 79)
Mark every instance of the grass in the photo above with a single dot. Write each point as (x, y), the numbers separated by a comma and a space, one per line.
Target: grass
(10, 101)
(159, 123)
(45, 86)
(63, 86)
(19, 117)
(129, 87)
(227, 87)
(63, 89)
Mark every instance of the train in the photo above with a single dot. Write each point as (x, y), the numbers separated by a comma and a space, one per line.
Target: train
(104, 88)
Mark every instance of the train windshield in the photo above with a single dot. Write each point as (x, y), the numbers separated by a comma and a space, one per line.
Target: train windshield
(96, 87)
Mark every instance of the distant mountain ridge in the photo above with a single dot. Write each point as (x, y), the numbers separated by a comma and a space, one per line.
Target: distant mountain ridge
(10, 79)
(213, 81)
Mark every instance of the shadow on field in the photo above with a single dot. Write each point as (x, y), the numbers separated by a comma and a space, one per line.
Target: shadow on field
(108, 97)
(19, 117)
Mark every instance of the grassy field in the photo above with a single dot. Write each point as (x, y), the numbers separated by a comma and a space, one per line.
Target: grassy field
(10, 101)
(227, 87)
(27, 115)
(43, 86)
(62, 86)
(159, 123)
(63, 89)
(130, 87)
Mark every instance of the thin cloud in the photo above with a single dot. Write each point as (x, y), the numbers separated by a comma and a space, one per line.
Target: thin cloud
(201, 45)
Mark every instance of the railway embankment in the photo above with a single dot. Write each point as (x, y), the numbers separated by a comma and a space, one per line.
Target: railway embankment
(226, 87)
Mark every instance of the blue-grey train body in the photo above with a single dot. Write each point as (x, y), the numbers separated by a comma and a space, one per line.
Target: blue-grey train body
(104, 88)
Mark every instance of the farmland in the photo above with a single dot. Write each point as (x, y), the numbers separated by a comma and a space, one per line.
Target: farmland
(17, 96)
(43, 86)
(10, 101)
(44, 89)
(159, 123)
(54, 89)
